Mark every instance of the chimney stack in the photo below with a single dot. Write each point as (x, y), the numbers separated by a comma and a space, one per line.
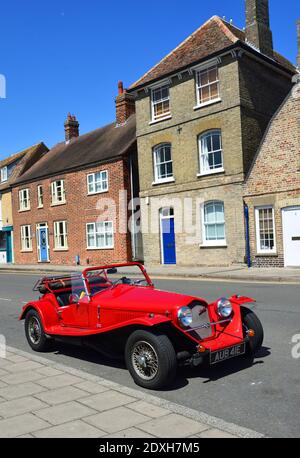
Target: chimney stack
(125, 105)
(71, 128)
(258, 32)
(298, 39)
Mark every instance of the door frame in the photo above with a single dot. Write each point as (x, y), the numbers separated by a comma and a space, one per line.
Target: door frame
(38, 227)
(283, 211)
(161, 218)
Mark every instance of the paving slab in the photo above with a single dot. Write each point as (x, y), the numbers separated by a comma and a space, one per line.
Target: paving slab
(24, 366)
(214, 433)
(64, 413)
(16, 358)
(130, 433)
(59, 381)
(20, 406)
(73, 429)
(21, 377)
(115, 420)
(172, 425)
(91, 387)
(148, 409)
(3, 372)
(19, 391)
(60, 395)
(48, 371)
(22, 424)
(107, 400)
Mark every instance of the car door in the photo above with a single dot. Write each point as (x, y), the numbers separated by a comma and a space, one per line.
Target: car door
(76, 315)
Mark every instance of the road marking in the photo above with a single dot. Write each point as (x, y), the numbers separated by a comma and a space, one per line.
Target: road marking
(4, 299)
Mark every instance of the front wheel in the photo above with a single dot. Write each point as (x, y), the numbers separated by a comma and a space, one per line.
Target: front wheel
(251, 321)
(150, 359)
(35, 332)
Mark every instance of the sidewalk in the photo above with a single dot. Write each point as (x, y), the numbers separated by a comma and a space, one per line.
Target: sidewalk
(236, 273)
(39, 398)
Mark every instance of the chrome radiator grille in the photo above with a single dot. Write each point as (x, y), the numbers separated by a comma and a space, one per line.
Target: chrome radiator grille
(200, 318)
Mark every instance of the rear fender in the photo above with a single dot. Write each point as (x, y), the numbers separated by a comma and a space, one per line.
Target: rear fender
(45, 309)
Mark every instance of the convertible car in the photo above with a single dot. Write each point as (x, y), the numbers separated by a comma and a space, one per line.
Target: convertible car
(117, 310)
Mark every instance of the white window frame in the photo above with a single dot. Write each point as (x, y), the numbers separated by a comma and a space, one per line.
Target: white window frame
(104, 225)
(54, 192)
(25, 237)
(24, 200)
(95, 181)
(205, 241)
(199, 86)
(157, 179)
(257, 230)
(4, 174)
(203, 156)
(58, 234)
(40, 196)
(165, 115)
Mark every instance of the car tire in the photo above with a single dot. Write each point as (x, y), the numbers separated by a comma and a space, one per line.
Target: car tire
(251, 321)
(150, 359)
(35, 334)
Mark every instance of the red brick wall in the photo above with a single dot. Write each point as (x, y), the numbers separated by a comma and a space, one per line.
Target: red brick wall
(275, 176)
(80, 208)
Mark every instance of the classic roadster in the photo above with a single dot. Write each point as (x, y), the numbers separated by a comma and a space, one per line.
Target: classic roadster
(116, 310)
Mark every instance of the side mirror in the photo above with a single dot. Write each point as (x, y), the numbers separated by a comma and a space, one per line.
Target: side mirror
(74, 299)
(112, 271)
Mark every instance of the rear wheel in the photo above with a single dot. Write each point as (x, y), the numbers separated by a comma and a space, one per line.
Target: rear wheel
(35, 332)
(150, 359)
(251, 321)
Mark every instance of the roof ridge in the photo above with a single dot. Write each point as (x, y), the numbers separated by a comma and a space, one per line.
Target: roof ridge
(213, 18)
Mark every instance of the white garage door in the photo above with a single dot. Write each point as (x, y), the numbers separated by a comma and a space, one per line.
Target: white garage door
(291, 236)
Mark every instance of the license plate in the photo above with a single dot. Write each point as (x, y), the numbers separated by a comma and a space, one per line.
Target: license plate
(227, 353)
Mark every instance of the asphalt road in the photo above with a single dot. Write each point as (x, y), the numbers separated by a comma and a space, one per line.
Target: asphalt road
(264, 396)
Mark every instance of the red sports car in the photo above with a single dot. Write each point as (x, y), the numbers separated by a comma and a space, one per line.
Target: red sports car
(116, 310)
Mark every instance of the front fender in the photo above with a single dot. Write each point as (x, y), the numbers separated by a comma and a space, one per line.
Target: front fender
(45, 309)
(240, 300)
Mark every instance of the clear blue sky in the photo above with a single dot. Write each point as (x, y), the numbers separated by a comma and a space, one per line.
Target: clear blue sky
(67, 55)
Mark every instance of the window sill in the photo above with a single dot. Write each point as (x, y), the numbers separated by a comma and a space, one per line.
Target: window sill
(24, 210)
(26, 251)
(217, 245)
(268, 254)
(60, 249)
(40, 206)
(211, 172)
(95, 193)
(155, 121)
(56, 204)
(206, 104)
(160, 182)
(104, 248)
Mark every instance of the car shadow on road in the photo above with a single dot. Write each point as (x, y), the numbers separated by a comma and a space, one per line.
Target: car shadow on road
(207, 373)
(204, 373)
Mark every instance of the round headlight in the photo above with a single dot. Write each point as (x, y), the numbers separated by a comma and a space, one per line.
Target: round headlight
(224, 308)
(185, 316)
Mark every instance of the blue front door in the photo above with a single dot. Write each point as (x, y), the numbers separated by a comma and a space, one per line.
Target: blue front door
(43, 239)
(168, 241)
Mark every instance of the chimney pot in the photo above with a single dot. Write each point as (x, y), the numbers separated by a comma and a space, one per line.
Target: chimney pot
(120, 87)
(71, 127)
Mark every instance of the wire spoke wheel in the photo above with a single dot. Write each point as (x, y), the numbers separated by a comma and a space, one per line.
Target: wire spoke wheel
(34, 330)
(144, 360)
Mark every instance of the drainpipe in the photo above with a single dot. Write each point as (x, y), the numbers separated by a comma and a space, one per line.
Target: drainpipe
(248, 252)
(133, 237)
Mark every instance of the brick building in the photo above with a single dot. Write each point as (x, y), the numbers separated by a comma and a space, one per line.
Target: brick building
(201, 113)
(11, 169)
(272, 189)
(72, 206)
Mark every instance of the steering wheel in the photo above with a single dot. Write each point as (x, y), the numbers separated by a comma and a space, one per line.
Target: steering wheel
(123, 280)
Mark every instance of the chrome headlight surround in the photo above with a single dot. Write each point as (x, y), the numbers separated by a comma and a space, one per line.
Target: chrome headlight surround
(185, 317)
(224, 308)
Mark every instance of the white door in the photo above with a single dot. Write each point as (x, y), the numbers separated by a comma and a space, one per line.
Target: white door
(291, 236)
